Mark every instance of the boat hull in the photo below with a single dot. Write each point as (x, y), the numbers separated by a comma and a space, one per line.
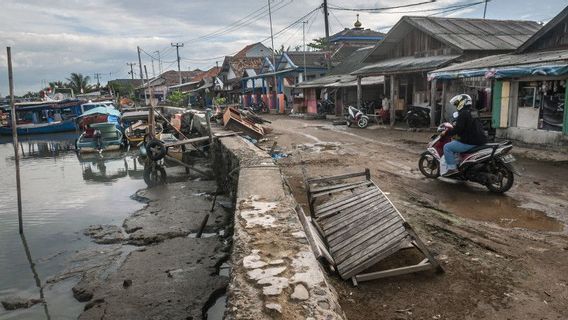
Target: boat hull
(64, 126)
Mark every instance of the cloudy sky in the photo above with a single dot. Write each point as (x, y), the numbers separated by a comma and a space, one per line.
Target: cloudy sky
(52, 38)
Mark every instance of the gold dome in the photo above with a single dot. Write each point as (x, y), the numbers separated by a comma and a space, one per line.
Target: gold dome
(358, 23)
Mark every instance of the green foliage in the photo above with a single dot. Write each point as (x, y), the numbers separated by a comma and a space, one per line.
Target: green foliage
(220, 101)
(122, 90)
(318, 44)
(79, 83)
(177, 98)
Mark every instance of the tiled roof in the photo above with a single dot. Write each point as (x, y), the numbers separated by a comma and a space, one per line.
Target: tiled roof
(213, 72)
(240, 64)
(314, 59)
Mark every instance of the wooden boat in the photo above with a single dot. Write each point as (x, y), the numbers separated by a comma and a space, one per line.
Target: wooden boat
(136, 126)
(43, 117)
(101, 130)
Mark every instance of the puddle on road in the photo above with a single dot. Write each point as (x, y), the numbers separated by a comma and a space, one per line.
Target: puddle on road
(500, 209)
(217, 310)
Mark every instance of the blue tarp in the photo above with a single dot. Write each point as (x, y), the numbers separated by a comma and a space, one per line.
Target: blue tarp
(503, 72)
(111, 111)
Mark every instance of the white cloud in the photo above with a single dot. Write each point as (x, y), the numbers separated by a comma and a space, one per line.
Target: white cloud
(52, 38)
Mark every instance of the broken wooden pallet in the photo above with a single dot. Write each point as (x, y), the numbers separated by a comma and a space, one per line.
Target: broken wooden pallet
(360, 226)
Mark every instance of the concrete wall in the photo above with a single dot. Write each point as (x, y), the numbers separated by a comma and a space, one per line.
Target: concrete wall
(534, 137)
(274, 272)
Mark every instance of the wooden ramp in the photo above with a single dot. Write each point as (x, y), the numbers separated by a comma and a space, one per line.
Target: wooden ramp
(354, 226)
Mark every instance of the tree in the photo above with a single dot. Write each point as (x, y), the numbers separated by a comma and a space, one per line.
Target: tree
(318, 44)
(58, 84)
(177, 98)
(79, 83)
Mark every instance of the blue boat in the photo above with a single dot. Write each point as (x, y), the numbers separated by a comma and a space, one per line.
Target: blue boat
(43, 117)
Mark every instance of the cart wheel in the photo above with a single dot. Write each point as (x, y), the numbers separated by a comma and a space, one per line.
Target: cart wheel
(154, 175)
(156, 150)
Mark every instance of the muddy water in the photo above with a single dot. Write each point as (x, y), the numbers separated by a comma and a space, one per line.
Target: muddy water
(62, 194)
(463, 200)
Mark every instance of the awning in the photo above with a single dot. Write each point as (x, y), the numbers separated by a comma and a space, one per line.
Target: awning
(366, 81)
(551, 63)
(340, 81)
(405, 65)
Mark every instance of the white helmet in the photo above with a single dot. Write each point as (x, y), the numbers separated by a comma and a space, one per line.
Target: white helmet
(460, 101)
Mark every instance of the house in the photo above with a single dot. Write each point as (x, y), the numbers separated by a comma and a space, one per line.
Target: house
(159, 85)
(340, 86)
(291, 68)
(347, 41)
(255, 50)
(529, 90)
(232, 72)
(418, 45)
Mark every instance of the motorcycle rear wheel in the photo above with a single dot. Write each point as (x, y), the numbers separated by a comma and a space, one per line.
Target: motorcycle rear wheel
(496, 183)
(363, 123)
(429, 166)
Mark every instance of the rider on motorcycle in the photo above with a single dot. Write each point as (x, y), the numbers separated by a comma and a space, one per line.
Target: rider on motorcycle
(468, 133)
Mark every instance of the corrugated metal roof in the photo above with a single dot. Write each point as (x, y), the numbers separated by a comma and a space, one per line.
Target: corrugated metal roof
(405, 65)
(477, 34)
(544, 30)
(501, 60)
(461, 33)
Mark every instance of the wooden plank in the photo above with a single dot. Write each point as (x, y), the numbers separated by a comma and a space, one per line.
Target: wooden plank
(344, 211)
(349, 213)
(348, 249)
(355, 205)
(422, 247)
(329, 192)
(339, 177)
(331, 202)
(393, 272)
(358, 259)
(347, 273)
(372, 192)
(331, 187)
(345, 219)
(188, 141)
(353, 229)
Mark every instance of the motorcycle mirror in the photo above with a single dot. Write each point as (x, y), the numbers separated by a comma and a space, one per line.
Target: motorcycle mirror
(455, 115)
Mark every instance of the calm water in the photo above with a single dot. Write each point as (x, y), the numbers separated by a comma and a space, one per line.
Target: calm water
(62, 194)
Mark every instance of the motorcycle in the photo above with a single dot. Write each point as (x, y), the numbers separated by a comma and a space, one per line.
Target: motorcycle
(258, 107)
(326, 107)
(356, 116)
(418, 116)
(490, 165)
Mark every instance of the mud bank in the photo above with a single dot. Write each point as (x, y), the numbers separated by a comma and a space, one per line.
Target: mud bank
(168, 273)
(274, 272)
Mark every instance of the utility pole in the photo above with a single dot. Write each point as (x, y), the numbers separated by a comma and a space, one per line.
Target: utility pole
(142, 76)
(131, 65)
(151, 123)
(177, 45)
(304, 40)
(273, 53)
(485, 9)
(97, 75)
(326, 20)
(15, 139)
(153, 70)
(159, 62)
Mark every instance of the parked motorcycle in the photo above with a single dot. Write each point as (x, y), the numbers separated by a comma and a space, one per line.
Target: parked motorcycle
(418, 116)
(357, 117)
(326, 107)
(258, 107)
(490, 165)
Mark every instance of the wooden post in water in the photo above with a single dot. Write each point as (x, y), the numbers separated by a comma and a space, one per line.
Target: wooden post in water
(15, 139)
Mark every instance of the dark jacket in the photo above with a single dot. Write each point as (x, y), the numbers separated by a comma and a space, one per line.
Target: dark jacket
(468, 129)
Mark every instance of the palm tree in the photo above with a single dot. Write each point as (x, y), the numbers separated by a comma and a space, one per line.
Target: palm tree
(79, 83)
(58, 84)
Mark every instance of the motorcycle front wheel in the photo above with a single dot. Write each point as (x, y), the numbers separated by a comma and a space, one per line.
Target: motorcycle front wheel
(429, 166)
(363, 123)
(500, 179)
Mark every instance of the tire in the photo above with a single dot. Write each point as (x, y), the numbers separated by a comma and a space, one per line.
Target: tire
(154, 176)
(429, 165)
(363, 122)
(412, 122)
(500, 173)
(349, 123)
(156, 150)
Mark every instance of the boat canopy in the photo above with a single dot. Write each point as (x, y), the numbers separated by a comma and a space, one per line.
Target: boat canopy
(111, 111)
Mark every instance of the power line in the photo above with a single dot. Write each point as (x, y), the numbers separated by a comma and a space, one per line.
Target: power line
(335, 7)
(465, 6)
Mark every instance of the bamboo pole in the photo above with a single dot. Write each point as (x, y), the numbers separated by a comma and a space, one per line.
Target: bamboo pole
(15, 139)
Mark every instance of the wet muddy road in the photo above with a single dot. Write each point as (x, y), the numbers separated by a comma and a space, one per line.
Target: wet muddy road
(505, 256)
